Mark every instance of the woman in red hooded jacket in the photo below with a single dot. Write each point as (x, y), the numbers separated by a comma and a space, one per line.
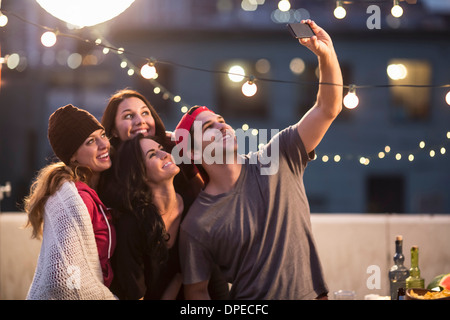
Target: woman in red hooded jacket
(64, 209)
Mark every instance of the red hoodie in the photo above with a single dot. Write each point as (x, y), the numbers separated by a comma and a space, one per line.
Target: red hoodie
(105, 234)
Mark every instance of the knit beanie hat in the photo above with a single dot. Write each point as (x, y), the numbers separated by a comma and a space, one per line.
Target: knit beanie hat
(68, 128)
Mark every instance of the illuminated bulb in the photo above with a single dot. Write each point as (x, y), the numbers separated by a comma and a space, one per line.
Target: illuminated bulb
(381, 155)
(337, 158)
(130, 72)
(397, 71)
(48, 39)
(387, 149)
(448, 135)
(236, 73)
(184, 109)
(411, 157)
(255, 132)
(325, 158)
(339, 12)
(398, 156)
(12, 60)
(351, 100)
(3, 20)
(177, 99)
(422, 144)
(245, 127)
(85, 13)
(396, 10)
(148, 71)
(443, 150)
(284, 5)
(447, 98)
(249, 88)
(432, 153)
(365, 161)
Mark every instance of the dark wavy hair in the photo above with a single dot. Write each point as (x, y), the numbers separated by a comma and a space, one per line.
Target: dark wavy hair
(128, 194)
(109, 115)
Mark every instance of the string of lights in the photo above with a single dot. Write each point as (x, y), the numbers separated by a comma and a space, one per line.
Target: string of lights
(433, 151)
(249, 88)
(148, 70)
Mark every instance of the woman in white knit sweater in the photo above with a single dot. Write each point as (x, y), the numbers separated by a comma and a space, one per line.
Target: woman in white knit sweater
(64, 209)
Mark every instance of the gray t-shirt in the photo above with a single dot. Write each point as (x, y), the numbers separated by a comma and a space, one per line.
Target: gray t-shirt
(259, 233)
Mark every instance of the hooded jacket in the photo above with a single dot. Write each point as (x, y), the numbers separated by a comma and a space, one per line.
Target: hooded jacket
(68, 266)
(104, 232)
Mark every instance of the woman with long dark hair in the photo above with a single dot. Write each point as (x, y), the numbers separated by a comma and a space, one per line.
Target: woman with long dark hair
(146, 261)
(127, 115)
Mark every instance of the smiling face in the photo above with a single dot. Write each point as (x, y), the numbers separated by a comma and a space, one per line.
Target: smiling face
(94, 152)
(159, 165)
(216, 134)
(133, 117)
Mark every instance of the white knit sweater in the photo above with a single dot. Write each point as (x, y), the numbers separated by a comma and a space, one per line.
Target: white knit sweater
(68, 266)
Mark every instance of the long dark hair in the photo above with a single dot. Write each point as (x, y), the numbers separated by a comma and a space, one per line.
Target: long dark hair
(109, 115)
(128, 194)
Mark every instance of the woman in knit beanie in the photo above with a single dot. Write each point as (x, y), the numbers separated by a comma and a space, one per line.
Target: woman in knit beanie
(64, 209)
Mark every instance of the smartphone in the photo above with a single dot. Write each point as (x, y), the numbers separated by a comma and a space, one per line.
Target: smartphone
(300, 30)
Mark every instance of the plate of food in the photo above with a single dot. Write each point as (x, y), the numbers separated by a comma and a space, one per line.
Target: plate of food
(426, 294)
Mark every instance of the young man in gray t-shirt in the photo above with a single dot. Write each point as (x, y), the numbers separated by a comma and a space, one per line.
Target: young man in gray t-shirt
(253, 219)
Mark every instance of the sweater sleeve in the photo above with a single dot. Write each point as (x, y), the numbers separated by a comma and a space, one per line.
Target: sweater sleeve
(68, 265)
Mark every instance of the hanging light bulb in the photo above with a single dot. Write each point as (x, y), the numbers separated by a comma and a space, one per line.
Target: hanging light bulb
(148, 71)
(351, 100)
(249, 88)
(447, 98)
(339, 12)
(396, 10)
(3, 19)
(284, 5)
(236, 73)
(48, 39)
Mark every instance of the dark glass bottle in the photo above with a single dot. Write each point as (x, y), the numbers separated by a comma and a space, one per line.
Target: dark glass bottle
(401, 294)
(398, 272)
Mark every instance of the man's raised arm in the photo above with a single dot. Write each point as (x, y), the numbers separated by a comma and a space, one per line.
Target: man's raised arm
(315, 123)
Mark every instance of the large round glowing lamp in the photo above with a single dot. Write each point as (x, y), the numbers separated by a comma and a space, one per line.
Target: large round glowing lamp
(85, 13)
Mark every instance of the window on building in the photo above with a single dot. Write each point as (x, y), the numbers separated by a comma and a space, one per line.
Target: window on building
(385, 194)
(231, 102)
(308, 76)
(409, 103)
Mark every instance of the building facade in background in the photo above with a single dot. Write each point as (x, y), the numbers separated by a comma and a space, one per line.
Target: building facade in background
(390, 154)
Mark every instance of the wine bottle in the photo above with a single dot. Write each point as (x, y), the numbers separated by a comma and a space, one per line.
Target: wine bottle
(398, 272)
(414, 280)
